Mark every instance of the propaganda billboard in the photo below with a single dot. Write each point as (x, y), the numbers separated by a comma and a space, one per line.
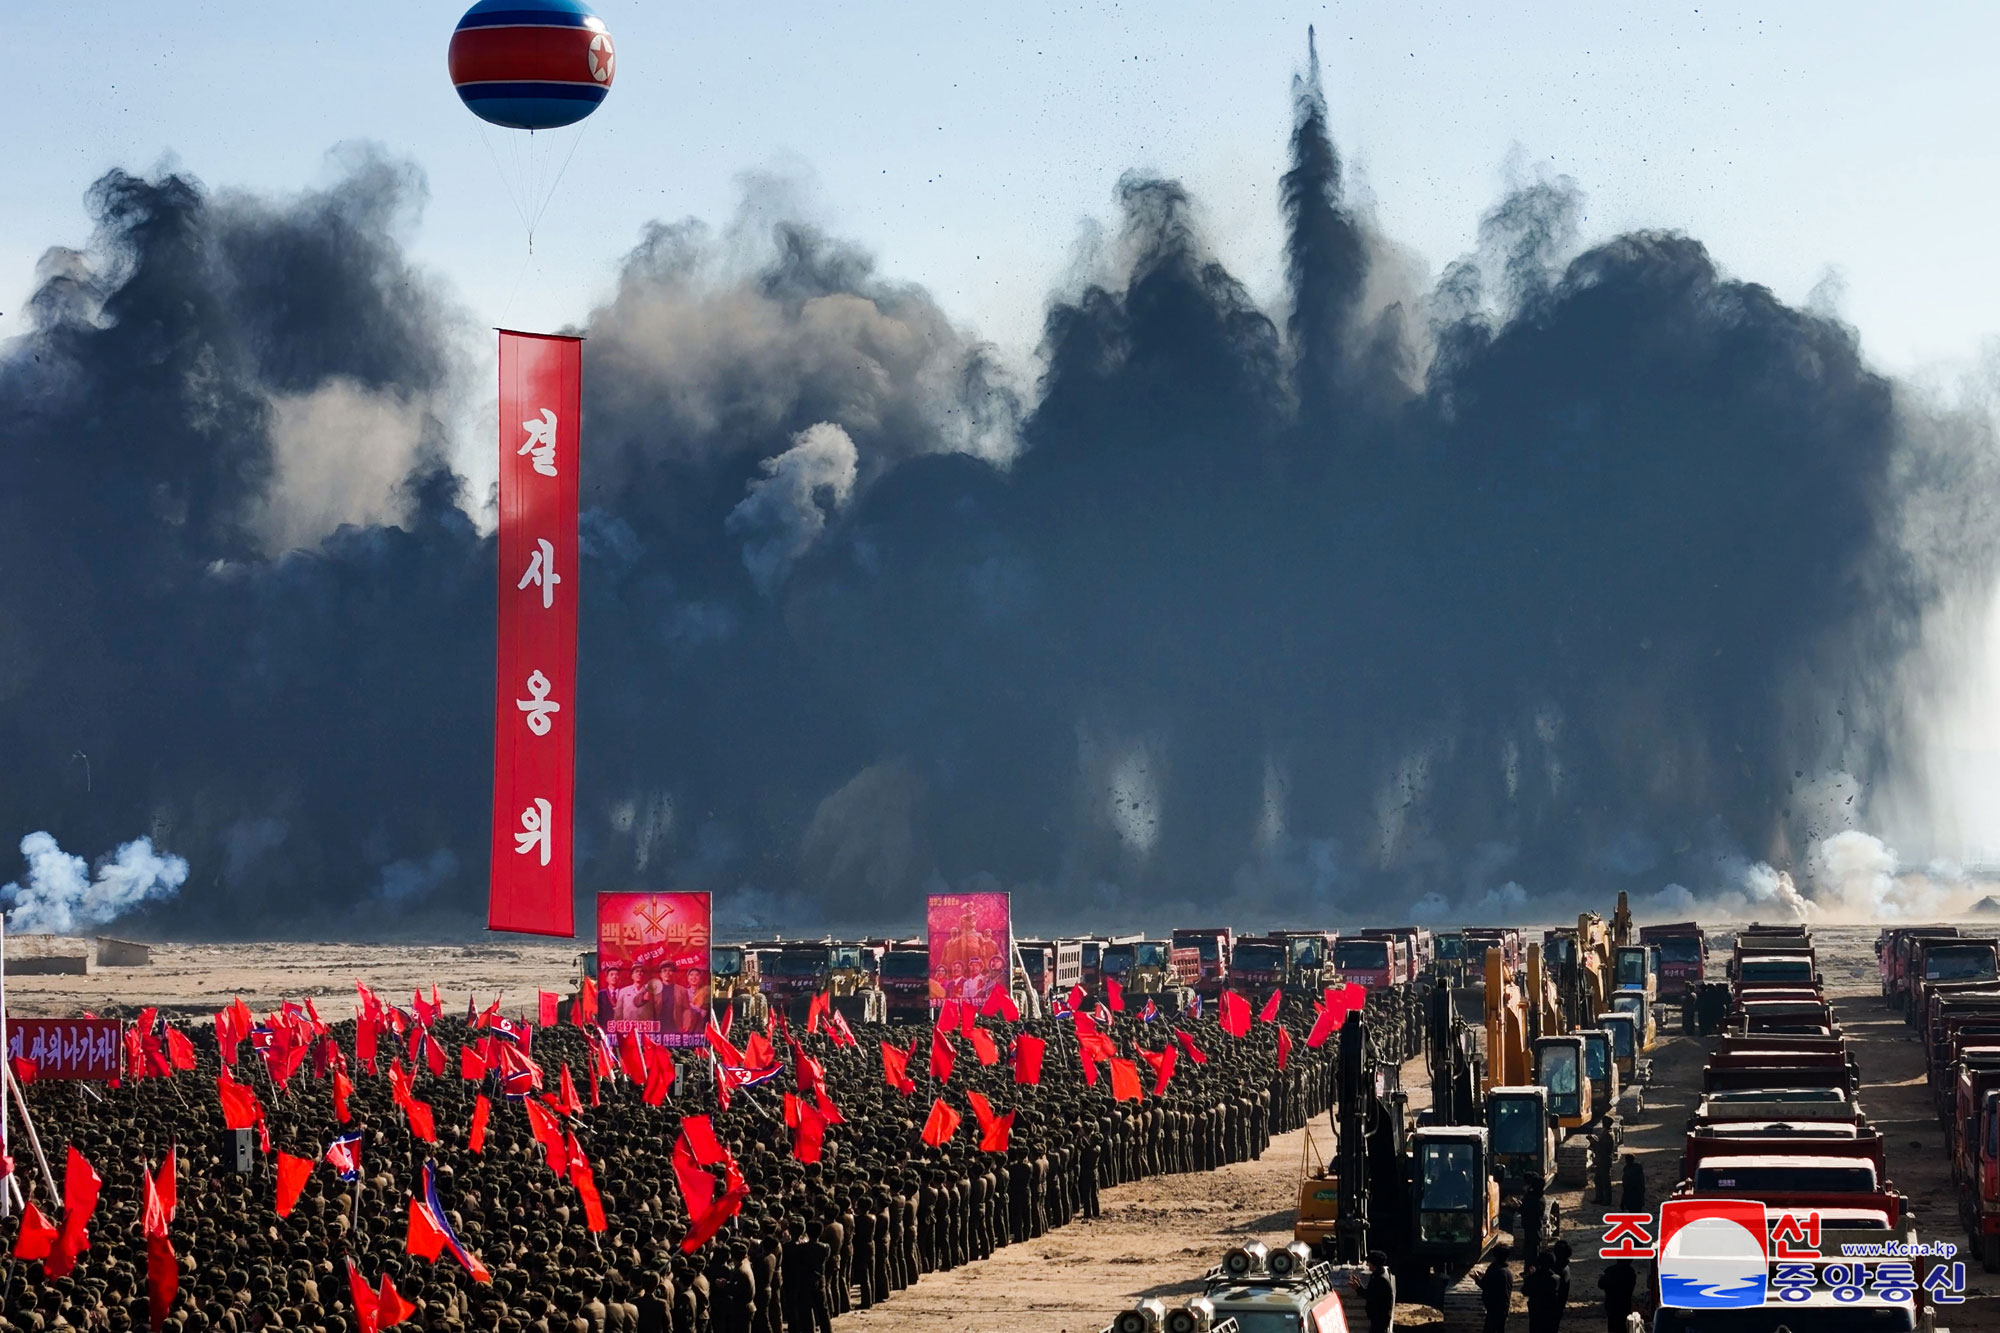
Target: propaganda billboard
(652, 965)
(972, 945)
(75, 1048)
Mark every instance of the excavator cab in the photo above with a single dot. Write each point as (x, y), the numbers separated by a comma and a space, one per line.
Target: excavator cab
(1522, 1137)
(1639, 965)
(1559, 1067)
(1624, 1030)
(1634, 1001)
(1457, 1198)
(1318, 1219)
(1601, 1070)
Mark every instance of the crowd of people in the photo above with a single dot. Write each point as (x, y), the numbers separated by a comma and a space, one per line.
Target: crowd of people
(877, 1210)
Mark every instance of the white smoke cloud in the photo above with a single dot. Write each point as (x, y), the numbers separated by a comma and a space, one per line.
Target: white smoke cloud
(785, 512)
(340, 455)
(62, 896)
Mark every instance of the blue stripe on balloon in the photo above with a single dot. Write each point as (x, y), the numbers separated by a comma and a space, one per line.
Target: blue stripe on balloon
(528, 18)
(574, 92)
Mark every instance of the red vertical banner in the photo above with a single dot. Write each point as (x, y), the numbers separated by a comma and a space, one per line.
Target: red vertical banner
(534, 738)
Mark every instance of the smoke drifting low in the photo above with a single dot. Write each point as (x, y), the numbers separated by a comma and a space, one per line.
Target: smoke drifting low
(1578, 571)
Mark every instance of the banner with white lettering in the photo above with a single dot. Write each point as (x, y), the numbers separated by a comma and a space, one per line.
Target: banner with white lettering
(534, 743)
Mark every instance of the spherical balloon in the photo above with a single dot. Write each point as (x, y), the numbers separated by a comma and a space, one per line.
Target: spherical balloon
(531, 64)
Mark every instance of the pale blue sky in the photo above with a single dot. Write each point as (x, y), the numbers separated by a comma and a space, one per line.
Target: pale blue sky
(966, 145)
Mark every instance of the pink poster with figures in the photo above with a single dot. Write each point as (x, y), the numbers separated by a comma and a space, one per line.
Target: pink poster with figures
(652, 965)
(972, 945)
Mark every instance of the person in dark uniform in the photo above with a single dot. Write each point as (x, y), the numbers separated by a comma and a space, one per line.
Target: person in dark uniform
(1632, 1187)
(1543, 1288)
(1617, 1282)
(1496, 1291)
(1379, 1299)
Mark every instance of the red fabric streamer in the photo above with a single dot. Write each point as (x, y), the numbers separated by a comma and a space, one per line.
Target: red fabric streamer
(1189, 1049)
(81, 1185)
(941, 1124)
(947, 1016)
(1234, 1014)
(37, 1236)
(983, 1047)
(1284, 1046)
(547, 1008)
(163, 1274)
(1125, 1081)
(470, 1066)
(943, 1057)
(895, 1069)
(1114, 995)
(293, 1173)
(364, 1300)
(534, 747)
(1028, 1059)
(547, 1130)
(1269, 1013)
(342, 1090)
(581, 1176)
(240, 1107)
(180, 1051)
(475, 1142)
(999, 1004)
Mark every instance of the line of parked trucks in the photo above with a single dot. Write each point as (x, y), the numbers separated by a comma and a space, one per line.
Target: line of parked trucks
(1947, 984)
(889, 980)
(1778, 1122)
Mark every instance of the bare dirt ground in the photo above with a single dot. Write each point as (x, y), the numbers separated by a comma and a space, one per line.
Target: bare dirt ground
(1156, 1237)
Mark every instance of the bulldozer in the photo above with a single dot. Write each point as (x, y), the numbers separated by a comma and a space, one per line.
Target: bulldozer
(734, 984)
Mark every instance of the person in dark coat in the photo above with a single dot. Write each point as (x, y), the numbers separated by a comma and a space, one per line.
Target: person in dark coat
(1542, 1285)
(1632, 1187)
(1617, 1282)
(1380, 1297)
(1496, 1291)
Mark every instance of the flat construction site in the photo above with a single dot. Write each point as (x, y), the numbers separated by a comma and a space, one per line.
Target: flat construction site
(1156, 1237)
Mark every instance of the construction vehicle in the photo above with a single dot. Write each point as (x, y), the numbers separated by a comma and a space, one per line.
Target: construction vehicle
(1417, 943)
(1212, 945)
(1521, 1131)
(1602, 1071)
(1091, 959)
(1683, 950)
(735, 984)
(1052, 968)
(1639, 969)
(1375, 961)
(1560, 1069)
(1637, 1003)
(1258, 965)
(1448, 958)
(1506, 1016)
(1257, 1288)
(1308, 958)
(1154, 969)
(795, 971)
(905, 970)
(1634, 1070)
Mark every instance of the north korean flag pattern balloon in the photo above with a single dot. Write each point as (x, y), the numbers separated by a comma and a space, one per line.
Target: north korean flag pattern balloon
(532, 64)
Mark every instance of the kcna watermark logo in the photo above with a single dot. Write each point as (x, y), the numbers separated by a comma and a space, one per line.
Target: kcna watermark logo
(1720, 1254)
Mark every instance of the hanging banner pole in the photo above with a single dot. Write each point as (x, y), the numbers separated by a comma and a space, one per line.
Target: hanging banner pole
(534, 741)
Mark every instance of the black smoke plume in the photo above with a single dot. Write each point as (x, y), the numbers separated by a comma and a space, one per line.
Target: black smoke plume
(1568, 575)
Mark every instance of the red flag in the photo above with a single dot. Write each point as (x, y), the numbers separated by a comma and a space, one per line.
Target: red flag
(166, 1183)
(240, 1107)
(80, 1188)
(364, 1300)
(941, 1124)
(808, 1128)
(390, 1307)
(581, 1176)
(632, 1057)
(342, 1090)
(999, 1004)
(534, 748)
(816, 1011)
(546, 1008)
(163, 1277)
(585, 1012)
(475, 1142)
(427, 1010)
(1089, 1069)
(943, 1057)
(543, 1125)
(1163, 1067)
(569, 1105)
(470, 1066)
(947, 1017)
(1188, 1048)
(827, 1108)
(364, 1043)
(895, 1069)
(180, 1050)
(1114, 995)
(1076, 998)
(1284, 1046)
(994, 1130)
(1269, 1013)
(37, 1237)
(1327, 1020)
(699, 1131)
(433, 1057)
(983, 1047)
(1234, 1014)
(293, 1172)
(422, 1124)
(423, 1237)
(659, 1074)
(1028, 1059)
(1125, 1081)
(968, 1019)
